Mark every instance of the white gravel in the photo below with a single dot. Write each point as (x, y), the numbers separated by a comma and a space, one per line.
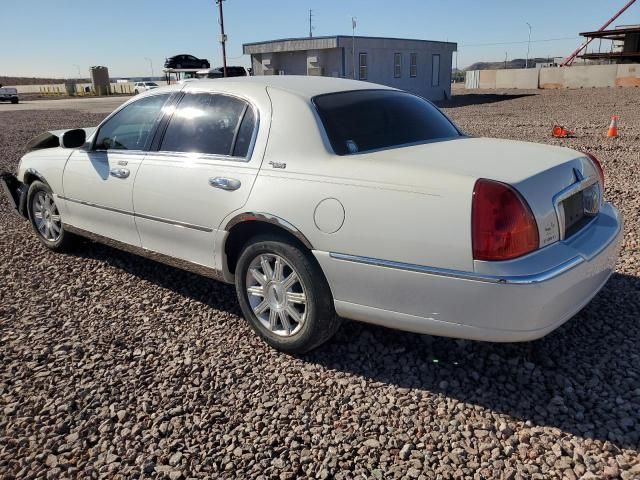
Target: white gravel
(115, 366)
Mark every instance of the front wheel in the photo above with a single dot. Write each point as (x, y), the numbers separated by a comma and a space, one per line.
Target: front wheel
(284, 296)
(45, 218)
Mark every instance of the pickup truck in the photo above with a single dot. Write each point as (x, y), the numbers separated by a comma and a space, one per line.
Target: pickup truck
(8, 94)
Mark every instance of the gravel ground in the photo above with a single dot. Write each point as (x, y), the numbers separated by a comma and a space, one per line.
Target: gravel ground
(115, 366)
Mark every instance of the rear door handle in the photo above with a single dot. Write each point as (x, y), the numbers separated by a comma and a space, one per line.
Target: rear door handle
(119, 172)
(229, 184)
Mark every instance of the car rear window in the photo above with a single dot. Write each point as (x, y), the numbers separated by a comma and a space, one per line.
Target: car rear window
(364, 120)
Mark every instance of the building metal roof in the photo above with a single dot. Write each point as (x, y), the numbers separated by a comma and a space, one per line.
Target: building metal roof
(319, 43)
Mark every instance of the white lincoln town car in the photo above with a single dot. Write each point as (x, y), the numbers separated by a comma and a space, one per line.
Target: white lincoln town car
(324, 198)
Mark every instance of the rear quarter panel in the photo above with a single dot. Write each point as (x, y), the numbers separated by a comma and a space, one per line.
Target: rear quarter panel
(414, 216)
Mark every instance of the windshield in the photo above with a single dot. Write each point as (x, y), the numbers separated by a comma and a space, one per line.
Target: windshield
(152, 84)
(363, 120)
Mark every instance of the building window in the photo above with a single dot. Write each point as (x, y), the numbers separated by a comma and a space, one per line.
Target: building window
(363, 67)
(435, 70)
(397, 65)
(413, 65)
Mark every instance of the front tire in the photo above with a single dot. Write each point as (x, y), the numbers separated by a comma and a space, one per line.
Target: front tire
(284, 295)
(45, 218)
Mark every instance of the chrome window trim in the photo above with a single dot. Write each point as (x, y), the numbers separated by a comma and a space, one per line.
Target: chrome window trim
(120, 151)
(137, 98)
(197, 156)
(140, 215)
(254, 136)
(479, 277)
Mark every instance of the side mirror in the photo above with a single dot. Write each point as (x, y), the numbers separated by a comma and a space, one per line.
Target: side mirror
(73, 138)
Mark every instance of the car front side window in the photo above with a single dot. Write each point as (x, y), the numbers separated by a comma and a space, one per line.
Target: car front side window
(132, 126)
(206, 123)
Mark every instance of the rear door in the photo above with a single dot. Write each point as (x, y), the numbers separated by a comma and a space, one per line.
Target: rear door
(98, 182)
(201, 171)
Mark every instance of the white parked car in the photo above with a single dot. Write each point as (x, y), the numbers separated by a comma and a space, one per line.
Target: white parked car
(324, 198)
(140, 87)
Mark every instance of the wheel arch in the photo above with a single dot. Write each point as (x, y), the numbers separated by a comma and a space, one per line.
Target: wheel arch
(31, 174)
(247, 225)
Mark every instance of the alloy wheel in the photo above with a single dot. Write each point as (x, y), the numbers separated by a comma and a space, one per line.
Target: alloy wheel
(276, 294)
(46, 216)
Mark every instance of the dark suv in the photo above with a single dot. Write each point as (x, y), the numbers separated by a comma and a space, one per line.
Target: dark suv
(186, 61)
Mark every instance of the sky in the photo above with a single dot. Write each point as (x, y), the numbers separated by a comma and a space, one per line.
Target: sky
(60, 38)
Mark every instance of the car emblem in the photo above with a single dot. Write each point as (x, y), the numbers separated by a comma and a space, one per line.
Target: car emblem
(278, 164)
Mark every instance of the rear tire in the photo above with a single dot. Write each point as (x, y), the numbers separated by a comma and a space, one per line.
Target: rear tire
(45, 218)
(284, 295)
(14, 100)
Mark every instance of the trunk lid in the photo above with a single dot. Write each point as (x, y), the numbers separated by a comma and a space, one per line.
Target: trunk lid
(541, 173)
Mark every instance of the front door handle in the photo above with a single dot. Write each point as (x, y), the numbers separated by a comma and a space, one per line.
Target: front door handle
(119, 172)
(229, 184)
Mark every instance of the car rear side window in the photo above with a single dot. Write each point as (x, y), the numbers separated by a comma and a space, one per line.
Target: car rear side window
(131, 127)
(204, 123)
(364, 120)
(245, 134)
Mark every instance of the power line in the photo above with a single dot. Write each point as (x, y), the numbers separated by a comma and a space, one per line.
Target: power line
(517, 42)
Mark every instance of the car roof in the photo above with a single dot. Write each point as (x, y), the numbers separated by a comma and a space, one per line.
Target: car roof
(301, 85)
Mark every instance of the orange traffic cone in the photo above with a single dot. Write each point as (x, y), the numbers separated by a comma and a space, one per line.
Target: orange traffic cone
(558, 131)
(613, 128)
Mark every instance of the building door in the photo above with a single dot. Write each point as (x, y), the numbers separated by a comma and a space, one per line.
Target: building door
(435, 70)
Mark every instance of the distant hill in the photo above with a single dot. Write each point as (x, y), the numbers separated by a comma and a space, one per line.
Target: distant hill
(515, 63)
(33, 80)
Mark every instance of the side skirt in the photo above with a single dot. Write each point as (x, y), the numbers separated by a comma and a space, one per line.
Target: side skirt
(151, 255)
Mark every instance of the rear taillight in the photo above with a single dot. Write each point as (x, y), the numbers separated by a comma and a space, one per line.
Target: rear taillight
(598, 165)
(502, 225)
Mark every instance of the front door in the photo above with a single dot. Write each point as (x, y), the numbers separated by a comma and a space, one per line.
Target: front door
(200, 174)
(98, 182)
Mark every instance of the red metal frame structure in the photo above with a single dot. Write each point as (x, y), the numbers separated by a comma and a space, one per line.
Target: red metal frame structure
(569, 60)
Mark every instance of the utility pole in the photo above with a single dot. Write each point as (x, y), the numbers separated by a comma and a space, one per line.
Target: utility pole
(310, 24)
(528, 45)
(505, 60)
(223, 38)
(150, 65)
(353, 46)
(79, 73)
